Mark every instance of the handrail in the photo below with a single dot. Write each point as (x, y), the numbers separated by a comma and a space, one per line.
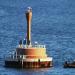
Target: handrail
(23, 57)
(30, 46)
(11, 56)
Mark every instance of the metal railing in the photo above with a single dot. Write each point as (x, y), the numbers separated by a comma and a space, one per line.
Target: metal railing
(31, 46)
(11, 56)
(24, 57)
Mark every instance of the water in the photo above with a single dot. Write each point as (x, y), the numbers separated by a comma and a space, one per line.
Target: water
(53, 21)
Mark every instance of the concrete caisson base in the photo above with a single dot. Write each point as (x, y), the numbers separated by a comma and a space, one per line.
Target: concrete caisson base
(20, 64)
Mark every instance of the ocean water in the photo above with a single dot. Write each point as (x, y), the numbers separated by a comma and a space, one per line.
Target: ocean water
(53, 21)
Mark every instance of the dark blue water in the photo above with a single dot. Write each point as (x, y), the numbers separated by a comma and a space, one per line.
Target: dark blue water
(53, 21)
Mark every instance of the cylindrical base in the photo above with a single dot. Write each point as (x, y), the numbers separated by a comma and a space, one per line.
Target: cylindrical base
(25, 64)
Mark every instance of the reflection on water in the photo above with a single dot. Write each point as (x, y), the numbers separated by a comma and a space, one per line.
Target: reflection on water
(47, 71)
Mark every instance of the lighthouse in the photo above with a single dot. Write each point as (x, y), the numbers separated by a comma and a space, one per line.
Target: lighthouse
(29, 55)
(29, 18)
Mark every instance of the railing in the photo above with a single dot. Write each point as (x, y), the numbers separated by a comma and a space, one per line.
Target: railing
(11, 56)
(23, 57)
(31, 46)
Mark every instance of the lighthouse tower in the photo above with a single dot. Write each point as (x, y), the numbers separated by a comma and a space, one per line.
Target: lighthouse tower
(29, 55)
(29, 18)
